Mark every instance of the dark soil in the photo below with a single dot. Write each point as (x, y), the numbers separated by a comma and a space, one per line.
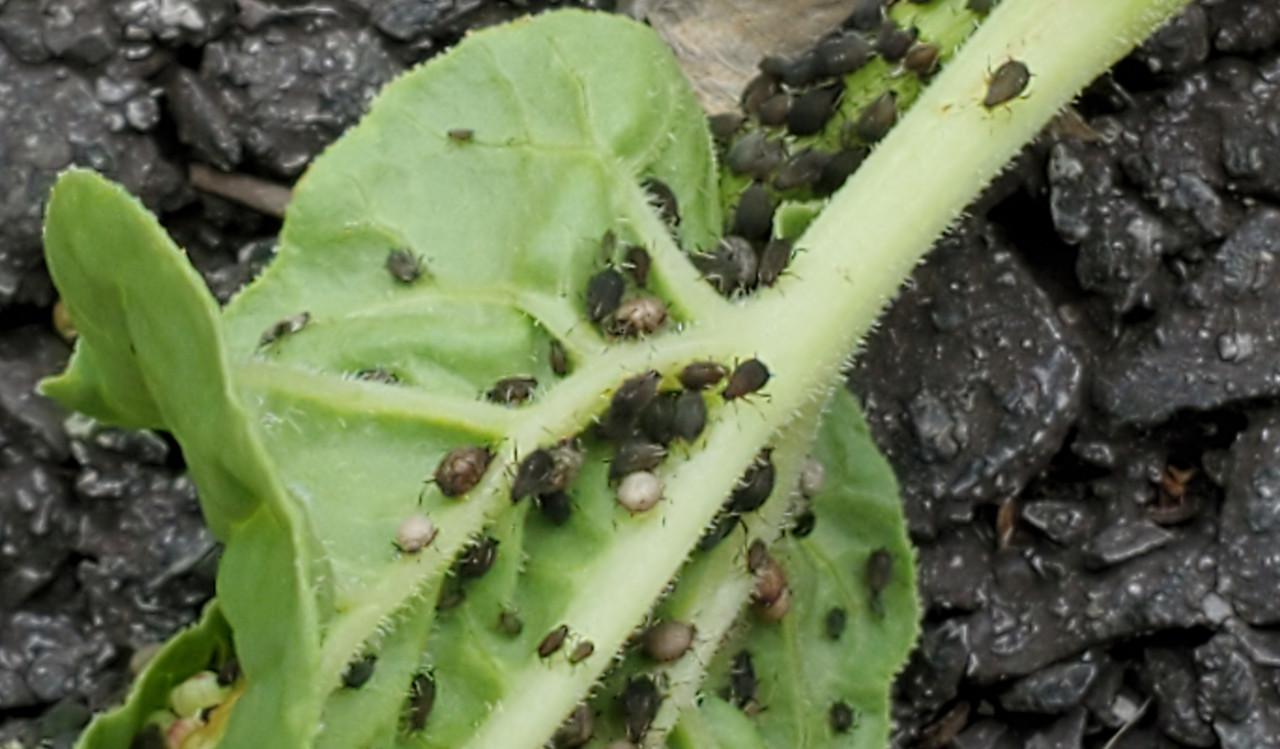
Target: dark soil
(1078, 392)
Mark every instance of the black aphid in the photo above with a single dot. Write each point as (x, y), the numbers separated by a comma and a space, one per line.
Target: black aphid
(558, 358)
(639, 316)
(452, 594)
(462, 135)
(804, 524)
(802, 170)
(981, 6)
(512, 391)
(378, 375)
(477, 558)
(286, 327)
(582, 651)
(422, 697)
(773, 111)
(834, 622)
(841, 716)
(461, 469)
(690, 415)
(1009, 81)
(639, 703)
(922, 59)
(757, 91)
(404, 266)
(719, 530)
(878, 118)
(604, 294)
(509, 623)
(149, 737)
(576, 730)
(553, 641)
(838, 168)
(755, 154)
(658, 419)
(359, 671)
(632, 396)
(811, 110)
(229, 672)
(893, 41)
(773, 261)
(635, 455)
(664, 200)
(732, 267)
(756, 484)
(724, 125)
(843, 54)
(797, 71)
(701, 375)
(556, 507)
(879, 573)
(637, 262)
(742, 679)
(753, 218)
(866, 15)
(533, 475)
(747, 378)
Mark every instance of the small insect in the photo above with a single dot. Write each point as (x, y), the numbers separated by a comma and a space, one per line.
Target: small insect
(1174, 503)
(404, 266)
(639, 702)
(773, 111)
(637, 262)
(461, 469)
(879, 572)
(802, 170)
(893, 41)
(229, 672)
(755, 155)
(378, 375)
(632, 396)
(286, 327)
(690, 415)
(773, 261)
(1009, 81)
(747, 378)
(866, 14)
(451, 596)
(582, 651)
(477, 558)
(462, 135)
(756, 484)
(841, 716)
(639, 316)
(732, 267)
(718, 531)
(509, 623)
(922, 59)
(664, 199)
(558, 358)
(635, 455)
(775, 610)
(757, 91)
(742, 680)
(770, 584)
(604, 294)
(422, 697)
(533, 475)
(415, 534)
(701, 375)
(555, 507)
(811, 110)
(640, 492)
(753, 217)
(878, 118)
(657, 420)
(843, 54)
(512, 390)
(757, 556)
(359, 671)
(834, 622)
(553, 641)
(577, 729)
(838, 169)
(813, 476)
(724, 125)
(981, 6)
(668, 641)
(804, 524)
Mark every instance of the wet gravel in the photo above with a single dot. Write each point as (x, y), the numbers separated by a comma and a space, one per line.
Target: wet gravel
(1078, 391)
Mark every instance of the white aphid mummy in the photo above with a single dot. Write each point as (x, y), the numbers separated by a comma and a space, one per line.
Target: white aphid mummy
(639, 491)
(415, 534)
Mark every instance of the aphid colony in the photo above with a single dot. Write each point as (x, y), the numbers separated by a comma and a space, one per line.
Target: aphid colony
(606, 300)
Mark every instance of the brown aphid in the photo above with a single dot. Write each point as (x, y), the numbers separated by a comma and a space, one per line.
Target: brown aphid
(893, 41)
(1008, 82)
(639, 316)
(286, 327)
(477, 558)
(879, 573)
(509, 623)
(747, 378)
(422, 697)
(461, 469)
(775, 610)
(878, 118)
(462, 135)
(757, 556)
(577, 729)
(512, 391)
(773, 261)
(378, 375)
(404, 266)
(558, 358)
(773, 111)
(771, 584)
(668, 641)
(553, 641)
(637, 262)
(604, 294)
(582, 651)
(701, 375)
(664, 199)
(922, 59)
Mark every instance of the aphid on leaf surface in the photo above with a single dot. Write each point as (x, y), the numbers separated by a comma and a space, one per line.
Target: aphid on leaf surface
(462, 135)
(512, 390)
(747, 378)
(533, 474)
(841, 716)
(757, 91)
(753, 217)
(287, 326)
(981, 6)
(639, 702)
(422, 697)
(755, 154)
(229, 672)
(477, 558)
(577, 729)
(639, 492)
(359, 671)
(558, 358)
(843, 54)
(720, 529)
(637, 262)
(834, 622)
(378, 375)
(1009, 81)
(667, 641)
(582, 651)
(461, 469)
(632, 396)
(690, 415)
(878, 118)
(742, 680)
(415, 534)
(893, 41)
(757, 556)
(555, 506)
(664, 200)
(770, 584)
(639, 316)
(812, 109)
(509, 623)
(773, 111)
(776, 609)
(838, 169)
(922, 59)
(404, 266)
(804, 524)
(796, 72)
(732, 267)
(802, 170)
(604, 294)
(451, 596)
(773, 261)
(724, 125)
(701, 375)
(553, 641)
(756, 484)
(657, 420)
(635, 455)
(879, 573)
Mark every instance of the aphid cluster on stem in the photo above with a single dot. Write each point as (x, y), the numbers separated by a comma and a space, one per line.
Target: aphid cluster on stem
(606, 299)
